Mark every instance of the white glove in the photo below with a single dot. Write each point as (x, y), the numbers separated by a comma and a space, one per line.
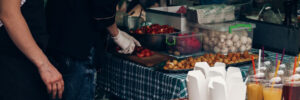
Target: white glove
(22, 2)
(126, 42)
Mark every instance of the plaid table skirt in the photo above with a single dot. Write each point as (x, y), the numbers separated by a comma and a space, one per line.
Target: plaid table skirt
(132, 81)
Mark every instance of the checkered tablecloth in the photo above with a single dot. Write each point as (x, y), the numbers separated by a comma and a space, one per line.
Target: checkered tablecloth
(132, 81)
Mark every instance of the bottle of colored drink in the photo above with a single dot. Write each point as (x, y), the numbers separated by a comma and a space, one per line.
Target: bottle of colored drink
(272, 91)
(254, 91)
(254, 88)
(291, 90)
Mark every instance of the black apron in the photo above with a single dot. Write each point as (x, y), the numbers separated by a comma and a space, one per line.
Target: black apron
(20, 79)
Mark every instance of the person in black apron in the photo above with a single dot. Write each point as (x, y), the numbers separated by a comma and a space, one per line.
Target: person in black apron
(75, 28)
(25, 71)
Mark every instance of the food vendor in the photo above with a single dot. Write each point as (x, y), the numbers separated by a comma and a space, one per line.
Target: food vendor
(25, 69)
(74, 27)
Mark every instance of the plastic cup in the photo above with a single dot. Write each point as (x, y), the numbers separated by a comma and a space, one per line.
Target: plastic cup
(254, 88)
(272, 91)
(291, 90)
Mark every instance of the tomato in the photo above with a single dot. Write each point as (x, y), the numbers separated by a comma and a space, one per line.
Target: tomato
(153, 32)
(141, 55)
(152, 53)
(161, 30)
(147, 54)
(146, 50)
(138, 49)
(155, 26)
(165, 26)
(138, 31)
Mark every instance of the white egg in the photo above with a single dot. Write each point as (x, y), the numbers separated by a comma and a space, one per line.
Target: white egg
(216, 42)
(222, 40)
(229, 43)
(232, 49)
(221, 44)
(216, 49)
(235, 38)
(242, 48)
(206, 40)
(237, 44)
(224, 50)
(244, 40)
(248, 47)
(249, 40)
(211, 43)
(213, 40)
(206, 48)
(222, 36)
(229, 36)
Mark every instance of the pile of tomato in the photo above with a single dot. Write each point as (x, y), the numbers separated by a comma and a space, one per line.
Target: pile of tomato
(143, 52)
(154, 29)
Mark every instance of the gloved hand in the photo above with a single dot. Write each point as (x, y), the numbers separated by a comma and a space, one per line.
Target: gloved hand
(126, 42)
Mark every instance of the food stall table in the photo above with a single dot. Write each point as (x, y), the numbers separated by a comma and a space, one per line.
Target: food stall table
(129, 80)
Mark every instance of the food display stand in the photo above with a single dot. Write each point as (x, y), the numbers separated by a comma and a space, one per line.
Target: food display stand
(129, 80)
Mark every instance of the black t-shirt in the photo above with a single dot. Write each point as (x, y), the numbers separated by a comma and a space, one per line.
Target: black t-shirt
(33, 12)
(75, 25)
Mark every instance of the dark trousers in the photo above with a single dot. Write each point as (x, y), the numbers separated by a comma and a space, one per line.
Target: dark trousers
(79, 77)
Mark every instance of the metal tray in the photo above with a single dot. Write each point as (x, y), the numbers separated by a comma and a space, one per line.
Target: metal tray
(160, 67)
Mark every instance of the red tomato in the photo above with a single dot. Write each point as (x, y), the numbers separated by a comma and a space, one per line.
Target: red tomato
(141, 55)
(165, 26)
(153, 32)
(146, 50)
(138, 49)
(152, 53)
(155, 26)
(143, 51)
(161, 30)
(148, 31)
(147, 54)
(138, 31)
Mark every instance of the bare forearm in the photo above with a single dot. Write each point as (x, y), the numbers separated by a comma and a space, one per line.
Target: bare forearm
(113, 30)
(20, 34)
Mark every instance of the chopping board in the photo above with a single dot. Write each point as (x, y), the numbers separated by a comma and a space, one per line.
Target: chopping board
(151, 61)
(156, 58)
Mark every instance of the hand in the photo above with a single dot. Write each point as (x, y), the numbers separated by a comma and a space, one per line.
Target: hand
(53, 80)
(126, 42)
